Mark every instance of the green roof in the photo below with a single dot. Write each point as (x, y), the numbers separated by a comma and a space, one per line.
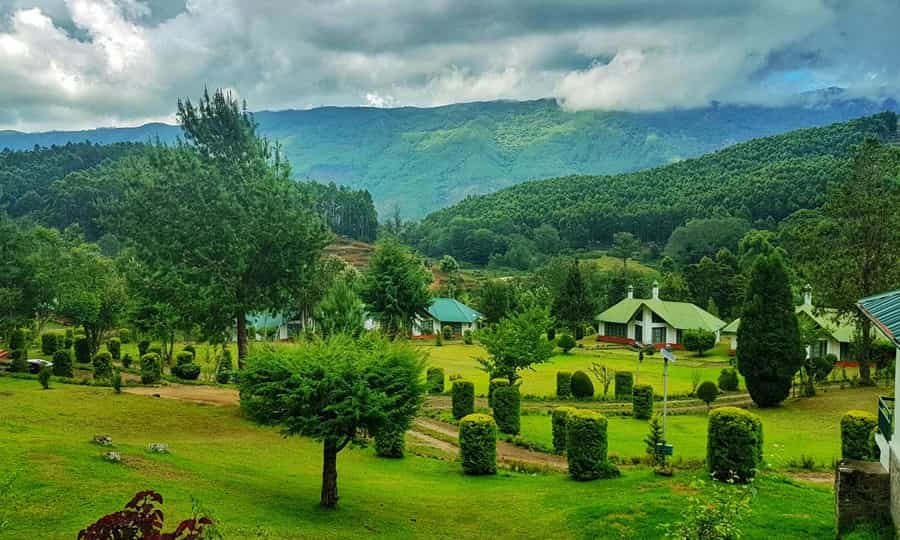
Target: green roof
(840, 328)
(452, 311)
(679, 315)
(884, 310)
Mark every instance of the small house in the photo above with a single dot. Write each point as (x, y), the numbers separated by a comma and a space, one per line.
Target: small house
(443, 312)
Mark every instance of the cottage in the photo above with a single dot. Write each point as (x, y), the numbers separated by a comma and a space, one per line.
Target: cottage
(653, 321)
(446, 312)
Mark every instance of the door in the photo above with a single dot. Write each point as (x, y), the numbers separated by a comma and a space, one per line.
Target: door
(639, 333)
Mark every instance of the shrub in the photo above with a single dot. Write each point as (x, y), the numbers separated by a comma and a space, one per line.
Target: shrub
(821, 368)
(44, 377)
(102, 365)
(191, 349)
(62, 363)
(478, 444)
(183, 358)
(143, 347)
(447, 331)
(586, 446)
(642, 401)
(18, 339)
(624, 383)
(438, 340)
(141, 514)
(728, 380)
(699, 340)
(156, 349)
(714, 514)
(492, 387)
(114, 346)
(654, 437)
(565, 342)
(151, 368)
(390, 443)
(435, 378)
(563, 383)
(19, 359)
(117, 381)
(224, 368)
(82, 350)
(582, 387)
(124, 335)
(463, 398)
(734, 444)
(50, 342)
(187, 372)
(558, 423)
(707, 392)
(127, 360)
(507, 401)
(856, 428)
(467, 337)
(69, 338)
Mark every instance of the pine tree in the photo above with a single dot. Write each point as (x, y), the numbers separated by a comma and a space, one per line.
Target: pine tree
(572, 306)
(654, 437)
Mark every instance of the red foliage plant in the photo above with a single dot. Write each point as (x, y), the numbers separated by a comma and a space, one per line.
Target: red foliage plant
(141, 520)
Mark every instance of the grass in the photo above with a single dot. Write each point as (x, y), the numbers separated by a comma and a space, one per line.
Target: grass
(258, 484)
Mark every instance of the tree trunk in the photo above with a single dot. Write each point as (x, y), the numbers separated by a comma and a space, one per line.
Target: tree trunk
(241, 338)
(329, 475)
(865, 352)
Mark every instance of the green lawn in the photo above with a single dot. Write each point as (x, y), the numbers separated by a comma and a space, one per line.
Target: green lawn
(260, 485)
(803, 427)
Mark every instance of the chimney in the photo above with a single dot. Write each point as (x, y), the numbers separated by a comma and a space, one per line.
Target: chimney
(656, 290)
(807, 295)
(631, 291)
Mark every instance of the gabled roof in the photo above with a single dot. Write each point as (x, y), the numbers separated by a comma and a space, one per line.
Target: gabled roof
(449, 310)
(840, 328)
(884, 310)
(679, 315)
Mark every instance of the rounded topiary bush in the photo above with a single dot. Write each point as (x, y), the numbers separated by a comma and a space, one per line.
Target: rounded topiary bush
(478, 444)
(493, 385)
(183, 358)
(734, 444)
(463, 398)
(50, 342)
(586, 446)
(114, 346)
(151, 368)
(102, 365)
(856, 430)
(435, 380)
(558, 424)
(507, 412)
(563, 383)
(187, 372)
(82, 350)
(642, 401)
(707, 392)
(582, 387)
(447, 331)
(624, 382)
(390, 443)
(62, 363)
(565, 342)
(728, 380)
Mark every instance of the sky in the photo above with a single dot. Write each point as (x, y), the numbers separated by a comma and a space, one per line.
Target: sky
(75, 64)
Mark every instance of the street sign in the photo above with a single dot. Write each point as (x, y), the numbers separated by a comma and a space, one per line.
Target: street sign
(668, 354)
(664, 449)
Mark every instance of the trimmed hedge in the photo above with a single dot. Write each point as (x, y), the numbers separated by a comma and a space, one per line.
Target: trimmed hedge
(114, 346)
(143, 347)
(856, 436)
(102, 365)
(151, 368)
(563, 383)
(642, 401)
(507, 409)
(62, 363)
(225, 367)
(728, 380)
(558, 424)
(734, 444)
(183, 358)
(582, 387)
(435, 378)
(82, 350)
(478, 444)
(463, 398)
(447, 332)
(125, 335)
(51, 342)
(390, 443)
(190, 349)
(69, 338)
(586, 446)
(624, 384)
(127, 360)
(566, 342)
(492, 386)
(187, 372)
(18, 339)
(19, 359)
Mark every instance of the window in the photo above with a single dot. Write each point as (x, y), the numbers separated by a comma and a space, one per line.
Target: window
(657, 318)
(426, 327)
(659, 334)
(679, 336)
(616, 329)
(845, 352)
(819, 349)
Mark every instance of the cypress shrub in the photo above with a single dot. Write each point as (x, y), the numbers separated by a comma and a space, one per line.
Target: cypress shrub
(390, 443)
(114, 346)
(492, 387)
(558, 423)
(151, 368)
(734, 444)
(581, 385)
(463, 398)
(624, 383)
(467, 337)
(642, 401)
(728, 380)
(125, 335)
(82, 350)
(435, 379)
(438, 340)
(478, 444)
(44, 377)
(707, 392)
(62, 363)
(102, 365)
(507, 412)
(225, 367)
(50, 342)
(19, 359)
(447, 331)
(586, 446)
(69, 338)
(143, 347)
(18, 339)
(856, 428)
(563, 384)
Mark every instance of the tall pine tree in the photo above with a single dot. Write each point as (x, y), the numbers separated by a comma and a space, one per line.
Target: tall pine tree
(572, 306)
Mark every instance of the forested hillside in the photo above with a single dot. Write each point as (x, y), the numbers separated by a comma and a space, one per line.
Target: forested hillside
(761, 180)
(418, 160)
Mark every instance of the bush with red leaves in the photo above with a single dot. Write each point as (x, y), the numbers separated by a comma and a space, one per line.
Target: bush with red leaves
(141, 520)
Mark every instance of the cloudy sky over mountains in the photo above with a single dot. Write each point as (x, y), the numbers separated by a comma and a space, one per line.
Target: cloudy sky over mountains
(68, 64)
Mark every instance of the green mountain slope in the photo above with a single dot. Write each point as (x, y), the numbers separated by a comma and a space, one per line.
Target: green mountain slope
(422, 159)
(764, 178)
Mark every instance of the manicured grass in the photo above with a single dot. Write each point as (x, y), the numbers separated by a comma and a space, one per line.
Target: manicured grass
(260, 485)
(802, 427)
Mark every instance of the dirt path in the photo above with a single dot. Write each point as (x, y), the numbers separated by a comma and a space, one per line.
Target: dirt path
(209, 395)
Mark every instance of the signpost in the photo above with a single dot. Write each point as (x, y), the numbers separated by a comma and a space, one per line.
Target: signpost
(668, 356)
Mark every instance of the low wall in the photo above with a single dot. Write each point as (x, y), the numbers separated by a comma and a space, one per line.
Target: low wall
(862, 493)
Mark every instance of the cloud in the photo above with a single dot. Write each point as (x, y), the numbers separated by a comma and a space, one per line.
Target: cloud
(70, 64)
